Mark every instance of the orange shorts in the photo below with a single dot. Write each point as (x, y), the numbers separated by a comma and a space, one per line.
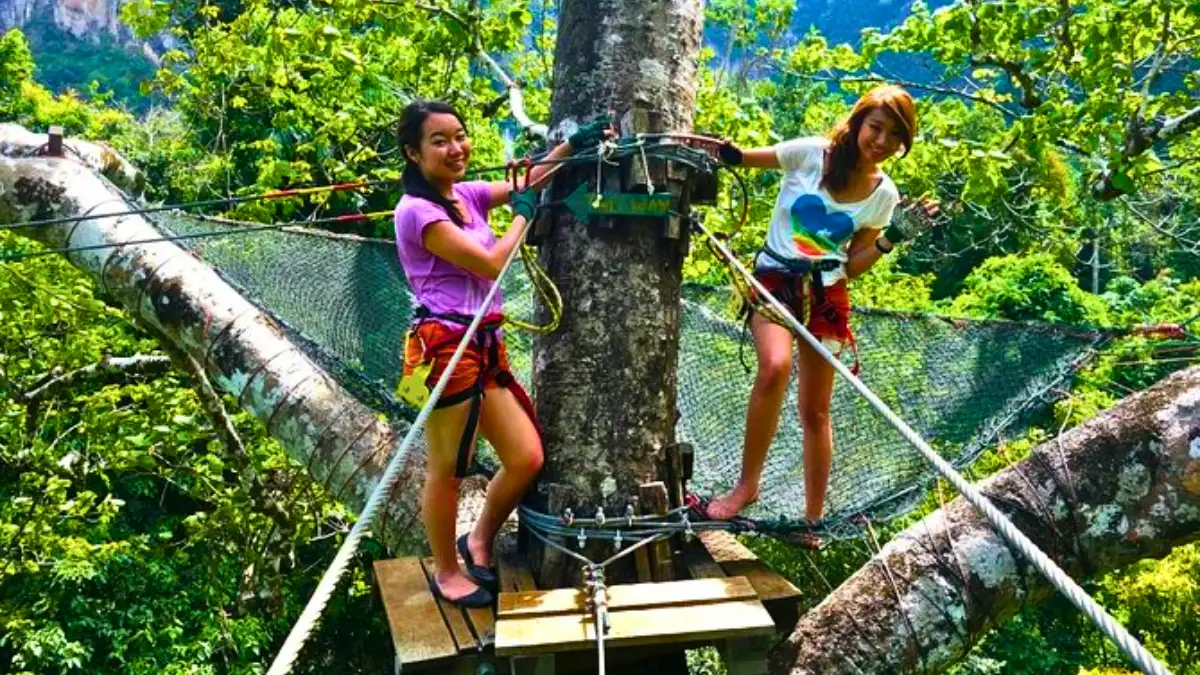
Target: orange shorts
(434, 342)
(824, 311)
(484, 365)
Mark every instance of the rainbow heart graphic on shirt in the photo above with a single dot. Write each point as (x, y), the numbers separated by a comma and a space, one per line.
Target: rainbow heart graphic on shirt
(815, 231)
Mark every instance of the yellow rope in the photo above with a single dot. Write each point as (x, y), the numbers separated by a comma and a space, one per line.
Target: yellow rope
(749, 297)
(546, 290)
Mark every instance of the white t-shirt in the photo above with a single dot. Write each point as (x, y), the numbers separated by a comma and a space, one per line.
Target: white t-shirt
(807, 222)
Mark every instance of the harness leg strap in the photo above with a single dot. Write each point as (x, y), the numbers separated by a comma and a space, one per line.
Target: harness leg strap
(463, 462)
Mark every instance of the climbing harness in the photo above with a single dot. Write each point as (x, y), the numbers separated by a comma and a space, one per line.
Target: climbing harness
(489, 362)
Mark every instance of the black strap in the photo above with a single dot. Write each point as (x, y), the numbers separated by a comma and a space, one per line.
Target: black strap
(801, 265)
(463, 464)
(423, 312)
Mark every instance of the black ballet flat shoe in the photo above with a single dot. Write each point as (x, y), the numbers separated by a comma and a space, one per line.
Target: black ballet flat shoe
(480, 597)
(486, 576)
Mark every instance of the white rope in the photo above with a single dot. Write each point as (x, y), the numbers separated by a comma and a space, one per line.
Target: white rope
(1051, 571)
(516, 101)
(307, 622)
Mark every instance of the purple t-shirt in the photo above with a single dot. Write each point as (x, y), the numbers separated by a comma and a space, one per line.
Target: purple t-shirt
(439, 285)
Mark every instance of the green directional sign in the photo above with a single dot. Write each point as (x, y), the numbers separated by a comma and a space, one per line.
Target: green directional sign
(584, 204)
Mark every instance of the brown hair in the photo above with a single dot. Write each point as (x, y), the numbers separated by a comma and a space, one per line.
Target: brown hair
(843, 146)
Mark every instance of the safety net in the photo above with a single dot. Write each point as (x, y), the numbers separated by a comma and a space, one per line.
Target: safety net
(959, 383)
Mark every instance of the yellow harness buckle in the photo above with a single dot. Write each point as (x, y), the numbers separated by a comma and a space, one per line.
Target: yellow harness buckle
(412, 388)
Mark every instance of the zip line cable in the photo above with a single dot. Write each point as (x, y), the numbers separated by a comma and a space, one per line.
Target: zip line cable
(67, 250)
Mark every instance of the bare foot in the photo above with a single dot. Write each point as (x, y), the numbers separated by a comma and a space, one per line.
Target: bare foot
(455, 585)
(731, 503)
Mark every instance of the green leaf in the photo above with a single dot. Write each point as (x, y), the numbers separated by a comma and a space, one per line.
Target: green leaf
(1122, 182)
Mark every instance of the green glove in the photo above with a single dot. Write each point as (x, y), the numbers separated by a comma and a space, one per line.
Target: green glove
(523, 202)
(590, 134)
(910, 219)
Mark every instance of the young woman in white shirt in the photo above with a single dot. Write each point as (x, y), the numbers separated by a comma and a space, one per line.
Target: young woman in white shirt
(828, 226)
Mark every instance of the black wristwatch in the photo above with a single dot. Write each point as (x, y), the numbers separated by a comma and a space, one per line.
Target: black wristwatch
(880, 247)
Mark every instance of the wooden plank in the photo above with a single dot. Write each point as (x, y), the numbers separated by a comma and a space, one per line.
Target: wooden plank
(633, 627)
(724, 547)
(699, 563)
(483, 624)
(778, 595)
(454, 618)
(553, 565)
(653, 499)
(642, 557)
(746, 656)
(419, 633)
(542, 664)
(641, 562)
(515, 576)
(626, 596)
(737, 560)
(769, 585)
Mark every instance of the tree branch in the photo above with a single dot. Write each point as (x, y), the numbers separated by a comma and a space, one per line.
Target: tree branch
(1177, 126)
(1190, 245)
(1122, 487)
(108, 368)
(1029, 95)
(1160, 57)
(1064, 19)
(431, 8)
(210, 400)
(949, 91)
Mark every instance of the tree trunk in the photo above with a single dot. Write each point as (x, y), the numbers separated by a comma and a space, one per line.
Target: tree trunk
(243, 350)
(1122, 487)
(605, 381)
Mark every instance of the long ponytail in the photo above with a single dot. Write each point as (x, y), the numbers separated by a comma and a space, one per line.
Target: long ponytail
(408, 133)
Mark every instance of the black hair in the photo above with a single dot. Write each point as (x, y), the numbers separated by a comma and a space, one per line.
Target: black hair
(408, 133)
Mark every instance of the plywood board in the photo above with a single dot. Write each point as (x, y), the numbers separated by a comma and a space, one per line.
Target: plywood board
(418, 631)
(737, 560)
(525, 635)
(627, 596)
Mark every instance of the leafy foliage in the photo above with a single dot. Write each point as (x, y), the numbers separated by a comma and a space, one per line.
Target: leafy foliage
(134, 541)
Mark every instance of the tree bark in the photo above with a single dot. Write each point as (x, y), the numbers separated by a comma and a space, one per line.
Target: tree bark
(1122, 487)
(605, 381)
(243, 350)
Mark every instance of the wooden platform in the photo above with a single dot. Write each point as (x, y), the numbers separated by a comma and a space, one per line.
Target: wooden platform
(429, 633)
(733, 600)
(696, 610)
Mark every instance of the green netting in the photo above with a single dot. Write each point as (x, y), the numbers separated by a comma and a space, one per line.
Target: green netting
(958, 383)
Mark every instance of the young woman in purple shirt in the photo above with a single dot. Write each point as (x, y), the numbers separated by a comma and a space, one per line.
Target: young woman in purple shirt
(451, 258)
